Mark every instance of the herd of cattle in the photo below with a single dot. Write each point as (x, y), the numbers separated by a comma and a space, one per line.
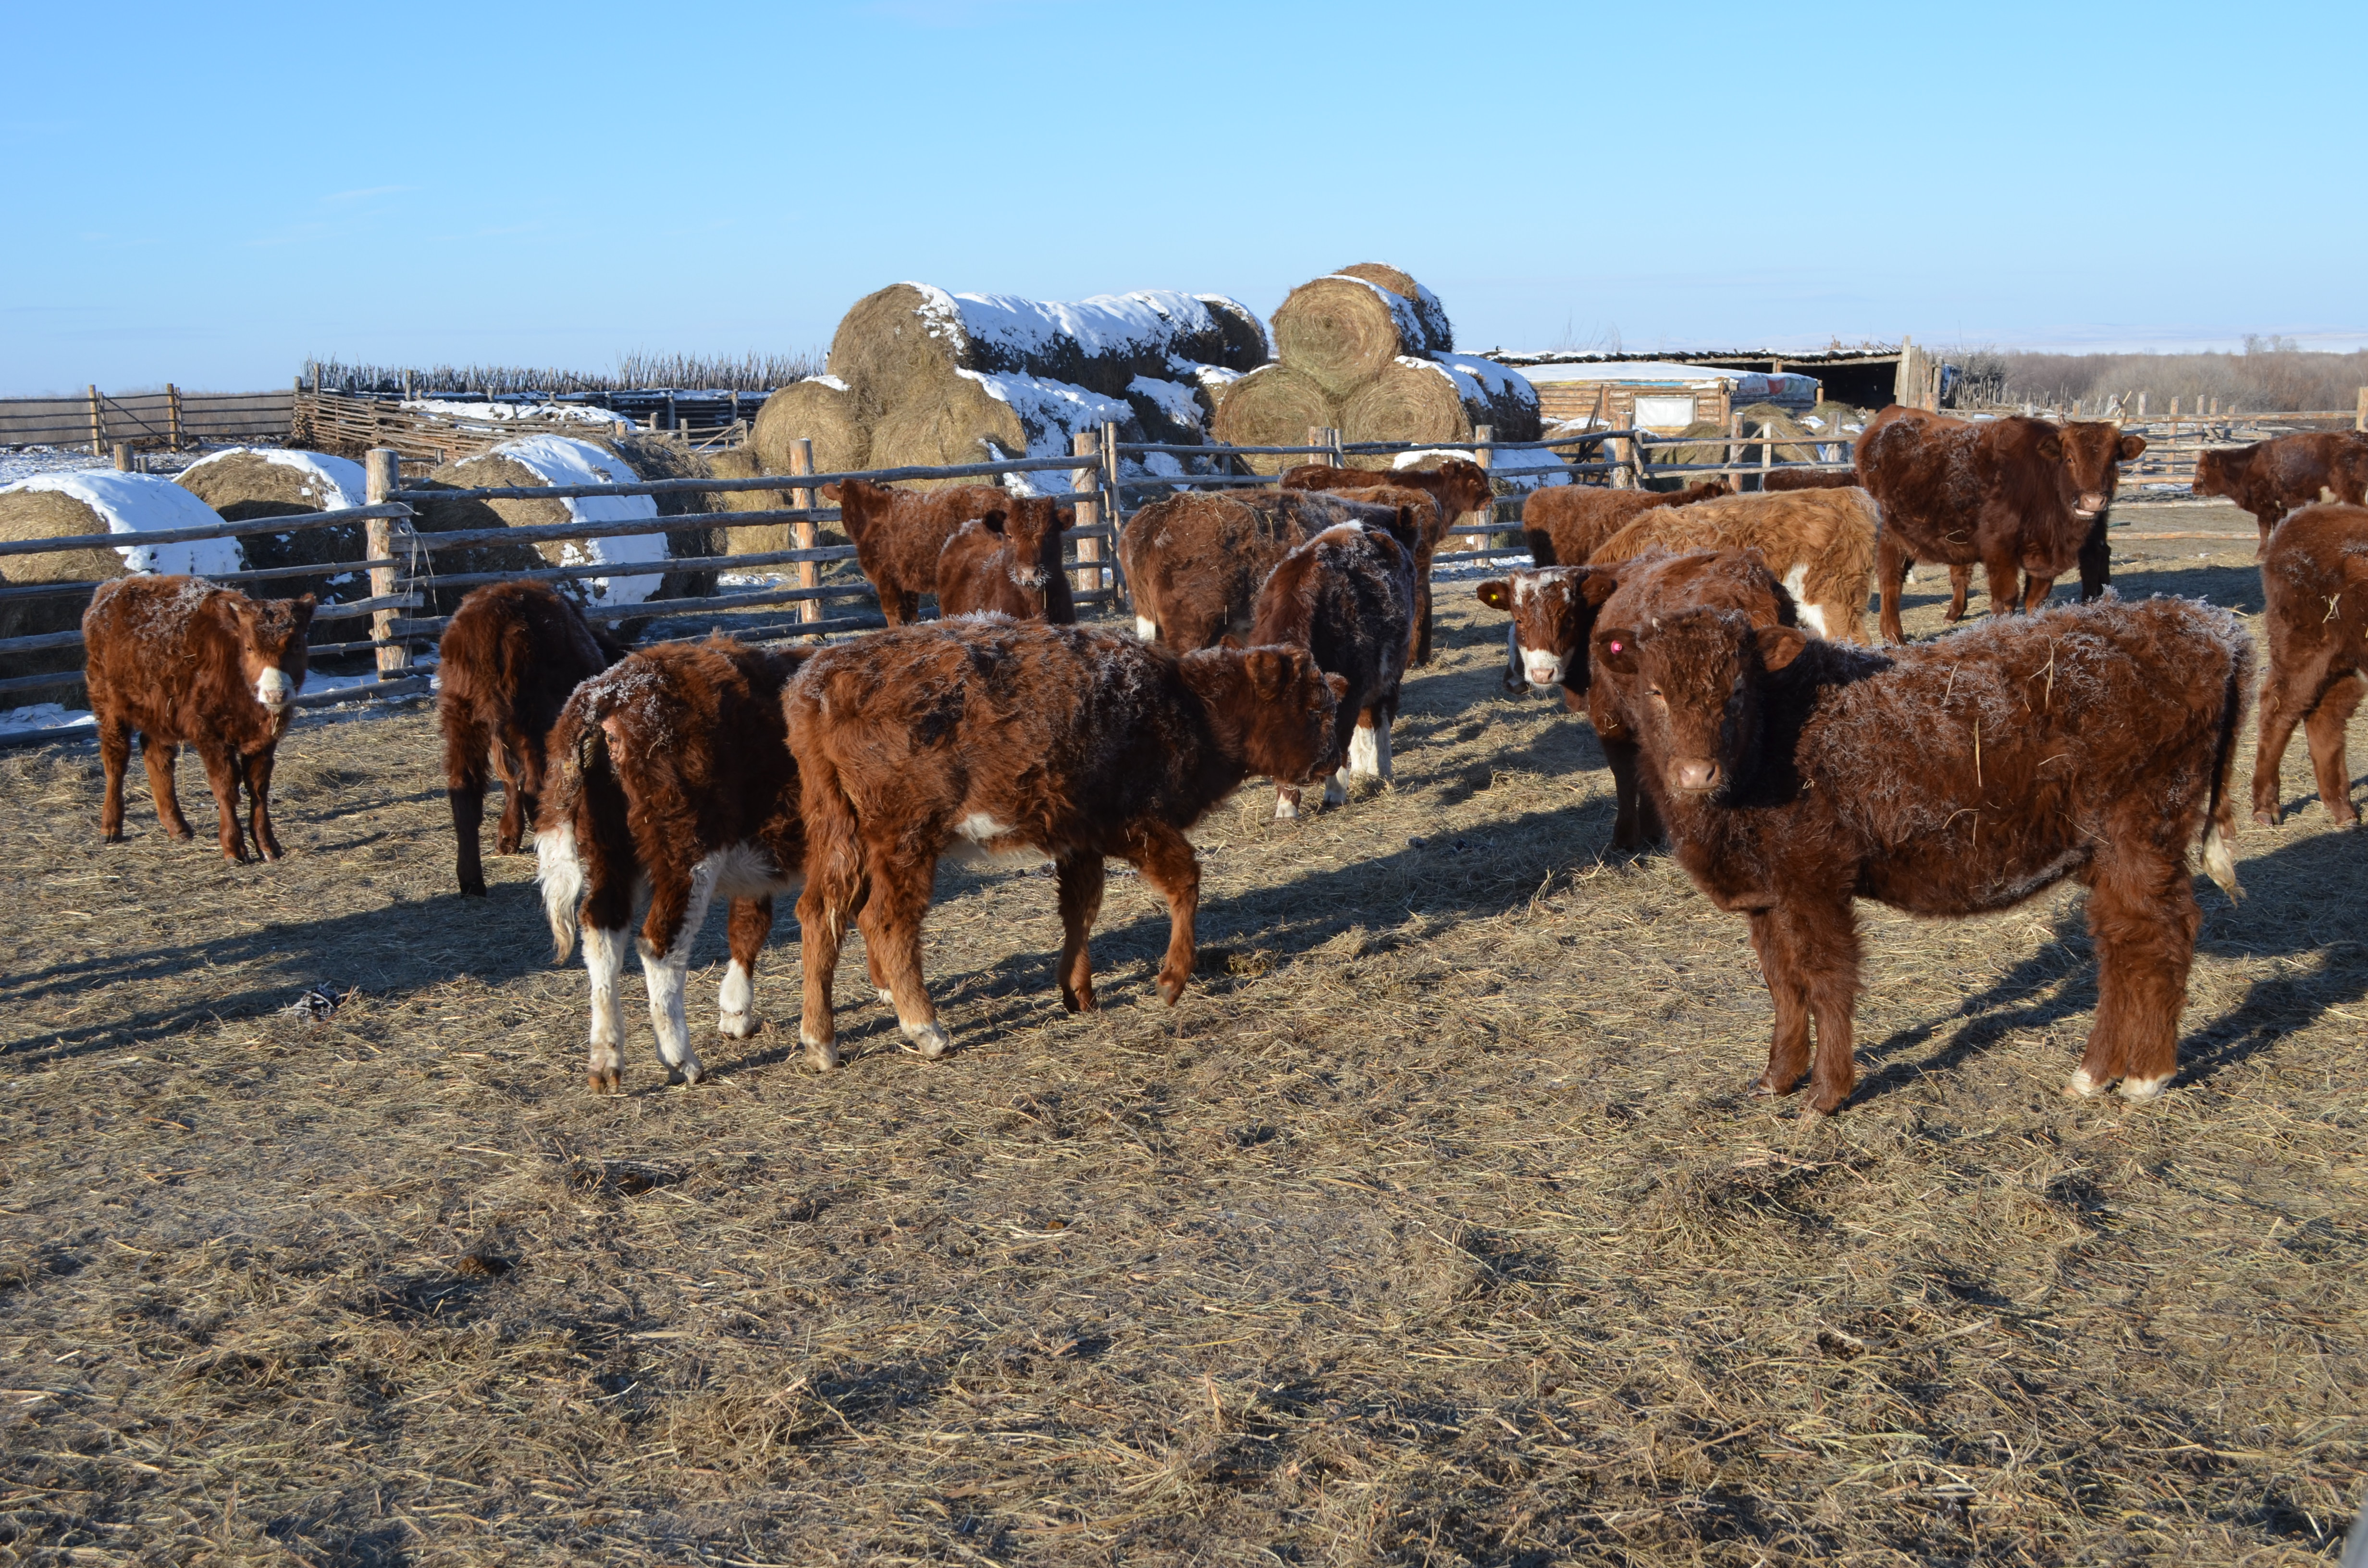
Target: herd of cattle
(1715, 641)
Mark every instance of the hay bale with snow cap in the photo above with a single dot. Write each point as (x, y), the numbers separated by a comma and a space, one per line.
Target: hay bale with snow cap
(1341, 332)
(551, 461)
(1439, 335)
(246, 482)
(1274, 406)
(821, 409)
(969, 418)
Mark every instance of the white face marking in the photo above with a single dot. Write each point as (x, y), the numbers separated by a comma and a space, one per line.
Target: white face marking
(1524, 586)
(1148, 630)
(271, 687)
(1813, 618)
(1543, 666)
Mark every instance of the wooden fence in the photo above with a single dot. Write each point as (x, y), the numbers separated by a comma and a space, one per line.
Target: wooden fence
(169, 418)
(335, 422)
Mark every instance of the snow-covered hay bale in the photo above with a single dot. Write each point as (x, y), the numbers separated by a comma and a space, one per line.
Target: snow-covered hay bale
(968, 417)
(821, 409)
(1342, 332)
(542, 460)
(1412, 400)
(1243, 335)
(1439, 336)
(1778, 424)
(1171, 411)
(246, 483)
(1512, 401)
(1274, 405)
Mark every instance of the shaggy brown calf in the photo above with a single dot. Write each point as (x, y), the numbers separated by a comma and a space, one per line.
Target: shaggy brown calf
(1347, 597)
(1195, 562)
(899, 534)
(2271, 478)
(1821, 542)
(1454, 489)
(1431, 520)
(2093, 743)
(1554, 610)
(509, 657)
(1008, 561)
(672, 768)
(2025, 499)
(1776, 479)
(2315, 594)
(1565, 524)
(999, 737)
(185, 662)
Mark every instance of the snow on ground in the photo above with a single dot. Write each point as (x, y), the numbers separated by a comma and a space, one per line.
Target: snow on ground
(333, 481)
(497, 412)
(143, 503)
(560, 459)
(27, 461)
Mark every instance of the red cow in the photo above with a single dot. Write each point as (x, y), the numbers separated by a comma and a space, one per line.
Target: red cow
(1806, 479)
(1821, 542)
(509, 657)
(2315, 593)
(2271, 478)
(2094, 742)
(1008, 561)
(185, 662)
(1195, 562)
(1347, 597)
(672, 769)
(1001, 737)
(899, 534)
(1565, 524)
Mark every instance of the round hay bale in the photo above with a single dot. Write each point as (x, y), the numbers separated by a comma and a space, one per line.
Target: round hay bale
(1512, 402)
(1768, 419)
(1439, 336)
(1243, 335)
(1690, 447)
(821, 409)
(1342, 332)
(756, 538)
(246, 482)
(544, 460)
(1412, 400)
(967, 417)
(1274, 406)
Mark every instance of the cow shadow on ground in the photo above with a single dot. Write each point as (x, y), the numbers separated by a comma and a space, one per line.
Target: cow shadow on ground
(2236, 587)
(2298, 898)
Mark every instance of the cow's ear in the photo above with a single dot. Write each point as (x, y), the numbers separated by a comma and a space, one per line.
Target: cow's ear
(303, 608)
(1339, 685)
(1616, 651)
(2132, 446)
(995, 520)
(1598, 586)
(1497, 593)
(1268, 670)
(830, 494)
(1780, 645)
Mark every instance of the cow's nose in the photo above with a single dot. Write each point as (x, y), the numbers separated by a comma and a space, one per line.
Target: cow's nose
(2091, 504)
(1695, 775)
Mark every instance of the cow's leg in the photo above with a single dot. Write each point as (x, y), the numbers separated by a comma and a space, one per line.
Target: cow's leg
(1630, 805)
(823, 912)
(1286, 803)
(1422, 607)
(1890, 572)
(159, 756)
(1961, 584)
(1814, 944)
(222, 774)
(114, 757)
(2096, 563)
(892, 928)
(735, 1004)
(1166, 859)
(604, 962)
(1080, 877)
(678, 909)
(2142, 921)
(465, 745)
(258, 791)
(1788, 1053)
(515, 793)
(2035, 589)
(2325, 730)
(2282, 709)
(1368, 748)
(2004, 573)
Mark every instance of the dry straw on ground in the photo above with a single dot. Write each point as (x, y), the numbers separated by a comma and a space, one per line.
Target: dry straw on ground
(1436, 1226)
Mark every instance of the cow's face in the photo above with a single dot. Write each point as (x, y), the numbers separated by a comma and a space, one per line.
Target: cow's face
(2093, 453)
(2216, 473)
(1552, 609)
(1466, 488)
(1033, 526)
(1691, 690)
(271, 649)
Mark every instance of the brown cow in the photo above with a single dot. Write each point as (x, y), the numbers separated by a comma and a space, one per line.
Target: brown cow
(672, 769)
(1008, 561)
(1347, 597)
(2026, 499)
(2094, 742)
(1455, 489)
(1430, 522)
(1554, 610)
(1565, 524)
(1773, 479)
(2271, 478)
(1821, 542)
(1195, 562)
(2315, 594)
(899, 534)
(991, 736)
(508, 658)
(185, 662)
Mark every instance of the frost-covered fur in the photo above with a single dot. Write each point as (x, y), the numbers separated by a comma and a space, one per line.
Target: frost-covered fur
(2315, 614)
(1195, 562)
(2285, 473)
(1070, 742)
(1008, 561)
(1347, 597)
(899, 535)
(2094, 743)
(1820, 542)
(1455, 489)
(185, 662)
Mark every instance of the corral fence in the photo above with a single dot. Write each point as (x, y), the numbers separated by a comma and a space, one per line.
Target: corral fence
(169, 418)
(340, 422)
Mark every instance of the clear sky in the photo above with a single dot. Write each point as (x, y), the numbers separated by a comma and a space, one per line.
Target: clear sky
(210, 195)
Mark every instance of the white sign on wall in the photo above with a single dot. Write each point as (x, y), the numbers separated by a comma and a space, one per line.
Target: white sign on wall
(1664, 413)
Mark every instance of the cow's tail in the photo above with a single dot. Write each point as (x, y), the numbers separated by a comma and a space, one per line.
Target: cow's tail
(578, 746)
(2220, 826)
(835, 868)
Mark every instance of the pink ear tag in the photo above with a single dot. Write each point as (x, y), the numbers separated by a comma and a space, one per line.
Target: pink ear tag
(1614, 646)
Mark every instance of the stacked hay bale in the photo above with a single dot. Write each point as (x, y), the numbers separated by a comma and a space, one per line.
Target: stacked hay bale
(246, 482)
(1370, 352)
(66, 506)
(550, 460)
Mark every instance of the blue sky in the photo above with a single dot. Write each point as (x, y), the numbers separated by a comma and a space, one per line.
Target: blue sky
(210, 195)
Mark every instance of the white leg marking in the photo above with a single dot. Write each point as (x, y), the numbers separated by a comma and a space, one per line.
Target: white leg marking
(822, 1058)
(603, 960)
(1146, 630)
(1364, 753)
(1381, 751)
(736, 1003)
(1285, 808)
(2083, 1088)
(1336, 789)
(2140, 1090)
(667, 971)
(931, 1038)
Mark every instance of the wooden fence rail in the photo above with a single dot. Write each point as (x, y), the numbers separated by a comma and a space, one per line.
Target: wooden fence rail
(167, 418)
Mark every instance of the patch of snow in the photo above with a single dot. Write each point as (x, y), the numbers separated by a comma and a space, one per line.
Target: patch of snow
(1174, 398)
(499, 412)
(140, 503)
(560, 459)
(1050, 414)
(334, 482)
(833, 382)
(1496, 380)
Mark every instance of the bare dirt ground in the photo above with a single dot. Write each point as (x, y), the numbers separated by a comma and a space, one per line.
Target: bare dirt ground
(1435, 1225)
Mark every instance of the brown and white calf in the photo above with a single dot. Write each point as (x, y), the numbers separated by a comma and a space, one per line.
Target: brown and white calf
(185, 662)
(1455, 489)
(670, 769)
(2315, 604)
(2272, 478)
(1195, 562)
(1821, 542)
(2094, 743)
(1565, 524)
(509, 657)
(1554, 610)
(1008, 561)
(1347, 597)
(899, 534)
(999, 737)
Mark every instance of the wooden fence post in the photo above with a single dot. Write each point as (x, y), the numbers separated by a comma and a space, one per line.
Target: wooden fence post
(383, 472)
(1087, 444)
(123, 457)
(2360, 417)
(1485, 455)
(173, 415)
(1113, 513)
(98, 425)
(803, 529)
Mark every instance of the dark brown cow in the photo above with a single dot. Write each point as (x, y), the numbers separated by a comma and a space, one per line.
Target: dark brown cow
(1554, 610)
(2315, 594)
(996, 737)
(1195, 562)
(899, 534)
(1565, 524)
(508, 658)
(2093, 741)
(672, 768)
(2271, 478)
(1008, 561)
(1821, 542)
(1347, 597)
(185, 662)
(2024, 498)
(1774, 478)
(1455, 489)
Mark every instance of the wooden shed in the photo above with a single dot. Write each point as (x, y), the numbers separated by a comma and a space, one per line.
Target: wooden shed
(1660, 395)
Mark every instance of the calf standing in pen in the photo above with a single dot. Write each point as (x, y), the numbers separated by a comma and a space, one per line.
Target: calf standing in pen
(999, 737)
(1456, 488)
(1347, 597)
(1008, 561)
(185, 662)
(1821, 542)
(2093, 743)
(1195, 562)
(2271, 478)
(509, 657)
(899, 535)
(2315, 604)
(672, 769)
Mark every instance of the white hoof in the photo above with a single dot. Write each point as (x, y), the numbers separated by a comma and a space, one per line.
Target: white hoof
(692, 1073)
(929, 1039)
(738, 1026)
(2082, 1086)
(1285, 809)
(1335, 793)
(887, 997)
(821, 1055)
(2140, 1090)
